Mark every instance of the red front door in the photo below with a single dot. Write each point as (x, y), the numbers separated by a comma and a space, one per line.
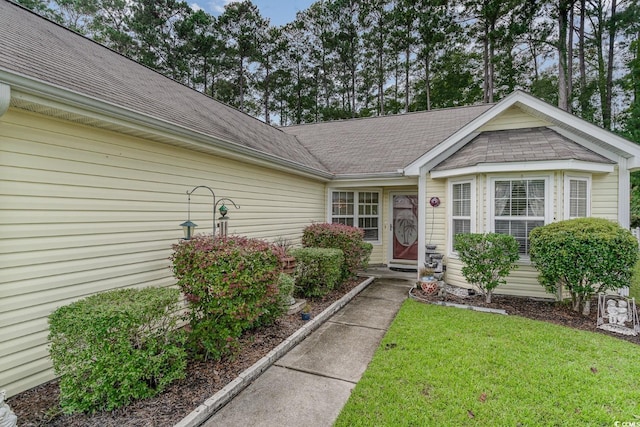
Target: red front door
(405, 227)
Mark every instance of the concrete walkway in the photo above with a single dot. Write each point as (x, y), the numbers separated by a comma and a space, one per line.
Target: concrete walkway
(312, 382)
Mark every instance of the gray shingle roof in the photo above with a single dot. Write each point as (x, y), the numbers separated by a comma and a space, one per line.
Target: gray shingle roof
(519, 145)
(39, 49)
(381, 144)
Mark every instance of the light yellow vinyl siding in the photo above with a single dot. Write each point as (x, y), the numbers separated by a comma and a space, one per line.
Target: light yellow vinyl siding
(436, 222)
(513, 118)
(84, 210)
(604, 195)
(524, 280)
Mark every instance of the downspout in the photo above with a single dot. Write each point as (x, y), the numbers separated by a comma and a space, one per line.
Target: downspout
(624, 194)
(422, 218)
(5, 98)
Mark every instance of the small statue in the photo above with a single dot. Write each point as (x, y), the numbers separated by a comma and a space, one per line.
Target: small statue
(622, 312)
(7, 417)
(612, 311)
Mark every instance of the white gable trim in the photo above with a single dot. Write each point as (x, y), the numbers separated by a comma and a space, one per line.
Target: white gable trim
(569, 165)
(612, 145)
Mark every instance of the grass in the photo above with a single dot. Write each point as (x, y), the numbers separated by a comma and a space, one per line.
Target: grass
(440, 366)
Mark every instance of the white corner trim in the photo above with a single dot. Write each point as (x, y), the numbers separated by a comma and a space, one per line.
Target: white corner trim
(5, 98)
(422, 217)
(624, 194)
(569, 165)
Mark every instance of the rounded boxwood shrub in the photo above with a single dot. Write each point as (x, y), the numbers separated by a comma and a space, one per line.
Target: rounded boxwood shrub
(350, 240)
(318, 270)
(112, 348)
(584, 255)
(231, 284)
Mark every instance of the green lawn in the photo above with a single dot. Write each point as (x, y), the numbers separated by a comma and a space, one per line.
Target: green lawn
(440, 366)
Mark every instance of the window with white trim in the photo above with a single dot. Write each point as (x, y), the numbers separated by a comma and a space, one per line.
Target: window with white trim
(577, 197)
(519, 206)
(357, 208)
(461, 208)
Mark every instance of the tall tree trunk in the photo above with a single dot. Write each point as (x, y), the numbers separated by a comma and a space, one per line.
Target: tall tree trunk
(584, 101)
(395, 92)
(427, 80)
(602, 77)
(562, 54)
(241, 84)
(491, 66)
(267, 95)
(485, 58)
(606, 111)
(407, 66)
(353, 91)
(381, 77)
(570, 63)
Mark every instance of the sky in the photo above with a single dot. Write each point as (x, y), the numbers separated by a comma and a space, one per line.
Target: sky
(279, 12)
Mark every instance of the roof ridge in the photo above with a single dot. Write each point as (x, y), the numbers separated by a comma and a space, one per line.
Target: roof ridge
(411, 113)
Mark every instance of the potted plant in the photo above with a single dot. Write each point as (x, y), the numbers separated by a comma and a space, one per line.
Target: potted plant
(428, 282)
(306, 312)
(288, 261)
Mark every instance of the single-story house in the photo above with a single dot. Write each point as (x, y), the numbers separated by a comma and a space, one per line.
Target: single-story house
(97, 153)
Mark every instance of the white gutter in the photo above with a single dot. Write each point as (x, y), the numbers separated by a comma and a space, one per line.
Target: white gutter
(569, 165)
(66, 100)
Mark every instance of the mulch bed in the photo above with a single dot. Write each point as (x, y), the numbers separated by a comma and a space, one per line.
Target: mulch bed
(560, 313)
(39, 406)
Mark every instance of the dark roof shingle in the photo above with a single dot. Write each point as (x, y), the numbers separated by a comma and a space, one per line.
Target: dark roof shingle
(519, 145)
(381, 144)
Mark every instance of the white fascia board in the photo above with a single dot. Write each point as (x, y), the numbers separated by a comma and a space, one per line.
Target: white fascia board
(61, 99)
(567, 165)
(396, 181)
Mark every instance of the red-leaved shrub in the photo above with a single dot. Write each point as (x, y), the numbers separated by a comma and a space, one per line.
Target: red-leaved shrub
(231, 285)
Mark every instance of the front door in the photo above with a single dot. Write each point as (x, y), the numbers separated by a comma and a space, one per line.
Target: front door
(405, 228)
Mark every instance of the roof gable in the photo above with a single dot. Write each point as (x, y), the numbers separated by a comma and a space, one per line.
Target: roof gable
(519, 145)
(600, 141)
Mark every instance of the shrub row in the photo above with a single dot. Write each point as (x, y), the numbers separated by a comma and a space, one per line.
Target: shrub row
(118, 346)
(112, 348)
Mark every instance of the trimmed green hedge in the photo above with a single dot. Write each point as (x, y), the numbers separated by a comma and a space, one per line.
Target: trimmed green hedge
(318, 270)
(231, 285)
(338, 236)
(112, 348)
(585, 255)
